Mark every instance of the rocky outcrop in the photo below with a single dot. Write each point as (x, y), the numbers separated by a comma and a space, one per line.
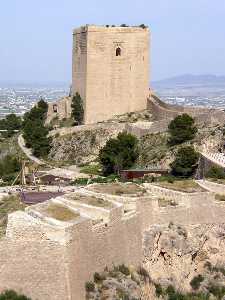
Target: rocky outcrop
(174, 255)
(82, 146)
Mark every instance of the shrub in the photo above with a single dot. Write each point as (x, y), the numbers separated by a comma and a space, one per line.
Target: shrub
(89, 286)
(12, 295)
(216, 290)
(124, 269)
(143, 26)
(216, 172)
(182, 129)
(185, 163)
(158, 290)
(119, 153)
(196, 282)
(98, 277)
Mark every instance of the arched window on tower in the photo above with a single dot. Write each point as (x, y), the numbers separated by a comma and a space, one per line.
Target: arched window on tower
(118, 51)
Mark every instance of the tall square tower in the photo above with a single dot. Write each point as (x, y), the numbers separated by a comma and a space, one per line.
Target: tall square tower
(110, 70)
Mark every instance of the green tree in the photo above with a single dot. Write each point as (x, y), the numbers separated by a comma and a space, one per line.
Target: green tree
(185, 163)
(182, 129)
(10, 123)
(34, 131)
(77, 108)
(9, 165)
(119, 153)
(12, 295)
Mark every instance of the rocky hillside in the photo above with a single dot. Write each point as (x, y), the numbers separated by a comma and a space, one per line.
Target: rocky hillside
(155, 150)
(176, 254)
(82, 147)
(179, 263)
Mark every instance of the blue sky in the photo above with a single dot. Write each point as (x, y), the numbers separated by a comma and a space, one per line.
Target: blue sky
(188, 36)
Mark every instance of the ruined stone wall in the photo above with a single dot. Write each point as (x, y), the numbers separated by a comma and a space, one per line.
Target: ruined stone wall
(111, 84)
(60, 109)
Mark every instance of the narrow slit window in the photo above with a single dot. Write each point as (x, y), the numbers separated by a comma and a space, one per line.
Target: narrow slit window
(55, 108)
(118, 51)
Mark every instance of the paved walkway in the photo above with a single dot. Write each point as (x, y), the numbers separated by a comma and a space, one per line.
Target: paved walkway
(62, 172)
(28, 152)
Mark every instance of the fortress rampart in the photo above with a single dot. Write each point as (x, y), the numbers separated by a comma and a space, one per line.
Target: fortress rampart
(47, 258)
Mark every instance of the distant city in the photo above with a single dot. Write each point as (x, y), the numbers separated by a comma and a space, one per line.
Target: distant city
(19, 99)
(203, 90)
(207, 90)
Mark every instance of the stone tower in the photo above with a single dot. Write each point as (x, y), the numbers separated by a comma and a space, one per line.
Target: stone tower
(110, 70)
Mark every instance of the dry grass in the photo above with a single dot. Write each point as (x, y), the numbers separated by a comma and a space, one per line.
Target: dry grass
(8, 205)
(220, 197)
(165, 202)
(119, 189)
(220, 181)
(91, 201)
(61, 213)
(188, 186)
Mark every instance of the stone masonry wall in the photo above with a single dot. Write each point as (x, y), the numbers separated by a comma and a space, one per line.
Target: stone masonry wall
(52, 260)
(111, 84)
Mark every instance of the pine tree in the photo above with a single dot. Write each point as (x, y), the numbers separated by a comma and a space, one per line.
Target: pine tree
(77, 108)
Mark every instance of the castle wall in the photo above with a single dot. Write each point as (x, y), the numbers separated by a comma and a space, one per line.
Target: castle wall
(32, 262)
(111, 85)
(46, 260)
(163, 112)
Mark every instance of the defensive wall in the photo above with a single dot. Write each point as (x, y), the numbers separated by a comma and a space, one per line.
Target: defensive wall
(208, 160)
(47, 258)
(162, 113)
(161, 110)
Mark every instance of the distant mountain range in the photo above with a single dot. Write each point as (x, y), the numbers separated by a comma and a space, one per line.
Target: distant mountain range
(189, 79)
(33, 84)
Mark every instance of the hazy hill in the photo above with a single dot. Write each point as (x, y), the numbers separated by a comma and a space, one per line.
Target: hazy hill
(189, 79)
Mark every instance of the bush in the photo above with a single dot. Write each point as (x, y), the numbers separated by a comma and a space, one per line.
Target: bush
(185, 163)
(119, 153)
(12, 295)
(182, 129)
(9, 165)
(98, 278)
(77, 109)
(89, 287)
(158, 290)
(196, 282)
(124, 269)
(216, 172)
